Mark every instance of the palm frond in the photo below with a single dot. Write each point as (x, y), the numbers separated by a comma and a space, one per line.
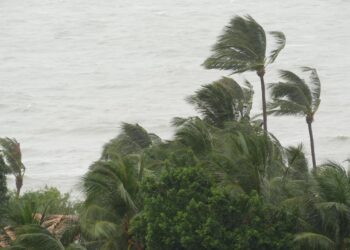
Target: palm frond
(132, 139)
(315, 85)
(292, 79)
(35, 237)
(283, 107)
(195, 134)
(137, 134)
(241, 47)
(291, 91)
(333, 183)
(297, 162)
(179, 121)
(111, 183)
(280, 43)
(221, 101)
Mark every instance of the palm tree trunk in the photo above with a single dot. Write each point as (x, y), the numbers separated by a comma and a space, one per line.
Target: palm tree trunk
(19, 184)
(312, 144)
(261, 74)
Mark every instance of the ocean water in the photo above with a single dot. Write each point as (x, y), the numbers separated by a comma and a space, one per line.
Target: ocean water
(72, 70)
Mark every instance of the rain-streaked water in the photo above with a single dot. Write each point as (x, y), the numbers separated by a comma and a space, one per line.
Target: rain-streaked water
(72, 70)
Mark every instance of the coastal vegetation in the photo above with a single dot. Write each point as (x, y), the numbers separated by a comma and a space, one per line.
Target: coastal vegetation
(223, 182)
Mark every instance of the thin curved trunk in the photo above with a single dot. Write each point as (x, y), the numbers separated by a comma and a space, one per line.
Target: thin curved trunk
(19, 184)
(263, 95)
(312, 144)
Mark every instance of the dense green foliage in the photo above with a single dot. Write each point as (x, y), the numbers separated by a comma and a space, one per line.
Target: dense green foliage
(184, 209)
(27, 215)
(51, 200)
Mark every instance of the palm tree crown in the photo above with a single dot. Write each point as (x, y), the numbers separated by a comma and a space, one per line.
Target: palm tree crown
(242, 47)
(223, 100)
(293, 96)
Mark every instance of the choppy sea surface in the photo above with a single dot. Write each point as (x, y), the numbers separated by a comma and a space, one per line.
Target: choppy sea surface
(72, 70)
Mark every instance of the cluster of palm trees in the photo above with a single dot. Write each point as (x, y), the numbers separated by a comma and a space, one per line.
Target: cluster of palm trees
(224, 141)
(242, 48)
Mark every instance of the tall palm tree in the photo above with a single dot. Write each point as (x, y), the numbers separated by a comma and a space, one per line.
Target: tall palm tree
(223, 100)
(293, 96)
(242, 47)
(12, 155)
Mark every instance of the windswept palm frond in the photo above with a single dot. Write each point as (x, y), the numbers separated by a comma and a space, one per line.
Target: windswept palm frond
(196, 135)
(240, 48)
(250, 159)
(132, 139)
(290, 77)
(179, 121)
(297, 163)
(284, 107)
(137, 134)
(223, 100)
(21, 213)
(248, 92)
(35, 237)
(111, 183)
(280, 43)
(315, 86)
(333, 183)
(99, 222)
(296, 93)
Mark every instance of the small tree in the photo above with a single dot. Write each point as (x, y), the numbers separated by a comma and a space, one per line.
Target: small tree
(12, 156)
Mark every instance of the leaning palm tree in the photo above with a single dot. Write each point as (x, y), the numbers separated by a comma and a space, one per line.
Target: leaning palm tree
(294, 96)
(112, 188)
(11, 153)
(242, 48)
(223, 100)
